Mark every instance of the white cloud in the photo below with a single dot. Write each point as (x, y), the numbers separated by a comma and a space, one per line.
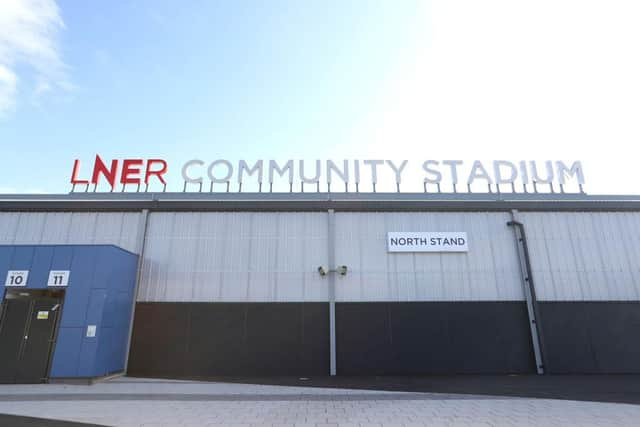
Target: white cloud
(518, 80)
(29, 31)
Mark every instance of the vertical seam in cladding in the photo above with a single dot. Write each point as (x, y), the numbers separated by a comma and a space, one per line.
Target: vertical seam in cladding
(274, 289)
(195, 280)
(603, 264)
(303, 258)
(94, 232)
(120, 238)
(623, 263)
(416, 292)
(169, 238)
(576, 259)
(467, 273)
(576, 232)
(443, 278)
(249, 249)
(621, 236)
(15, 232)
(628, 237)
(389, 275)
(226, 216)
(358, 239)
(607, 254)
(488, 225)
(594, 273)
(551, 275)
(582, 249)
(67, 230)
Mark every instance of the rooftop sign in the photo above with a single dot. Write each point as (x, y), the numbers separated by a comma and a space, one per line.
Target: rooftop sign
(345, 175)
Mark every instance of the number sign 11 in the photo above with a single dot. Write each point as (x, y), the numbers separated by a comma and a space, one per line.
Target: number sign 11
(58, 278)
(16, 278)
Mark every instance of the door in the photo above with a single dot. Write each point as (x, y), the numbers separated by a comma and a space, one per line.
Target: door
(27, 333)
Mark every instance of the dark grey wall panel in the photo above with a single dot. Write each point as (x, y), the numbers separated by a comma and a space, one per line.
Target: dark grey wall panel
(393, 338)
(591, 337)
(190, 340)
(159, 341)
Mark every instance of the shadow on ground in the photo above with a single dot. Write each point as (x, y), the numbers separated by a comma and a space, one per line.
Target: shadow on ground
(596, 388)
(17, 421)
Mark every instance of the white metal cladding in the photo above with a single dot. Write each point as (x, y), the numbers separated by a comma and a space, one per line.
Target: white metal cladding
(488, 272)
(119, 228)
(234, 257)
(584, 256)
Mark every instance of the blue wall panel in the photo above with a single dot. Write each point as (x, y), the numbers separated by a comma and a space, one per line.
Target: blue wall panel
(67, 353)
(40, 267)
(100, 292)
(62, 258)
(22, 260)
(88, 355)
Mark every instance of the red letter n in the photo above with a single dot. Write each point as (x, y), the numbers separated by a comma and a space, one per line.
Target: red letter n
(99, 168)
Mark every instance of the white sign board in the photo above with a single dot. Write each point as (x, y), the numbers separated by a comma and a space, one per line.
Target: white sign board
(58, 278)
(91, 331)
(17, 278)
(427, 241)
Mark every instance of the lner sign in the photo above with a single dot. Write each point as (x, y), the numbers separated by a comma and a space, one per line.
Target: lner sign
(439, 241)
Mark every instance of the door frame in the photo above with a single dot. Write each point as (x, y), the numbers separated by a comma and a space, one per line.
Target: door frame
(32, 295)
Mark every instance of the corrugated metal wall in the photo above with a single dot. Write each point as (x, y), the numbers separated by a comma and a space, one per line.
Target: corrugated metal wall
(215, 256)
(253, 257)
(584, 256)
(488, 272)
(120, 228)
(234, 257)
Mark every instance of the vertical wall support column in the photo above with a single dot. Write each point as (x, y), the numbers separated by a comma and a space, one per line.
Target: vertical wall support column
(529, 291)
(331, 259)
(141, 240)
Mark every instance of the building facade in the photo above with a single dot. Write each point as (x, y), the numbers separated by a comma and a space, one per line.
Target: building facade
(229, 284)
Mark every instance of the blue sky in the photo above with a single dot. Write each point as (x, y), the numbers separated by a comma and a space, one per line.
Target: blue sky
(217, 79)
(317, 79)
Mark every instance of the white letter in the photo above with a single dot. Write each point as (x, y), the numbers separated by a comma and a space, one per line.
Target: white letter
(576, 169)
(497, 164)
(534, 173)
(524, 175)
(374, 172)
(453, 164)
(434, 172)
(398, 171)
(244, 167)
(184, 171)
(288, 167)
(478, 171)
(356, 171)
(344, 174)
(315, 178)
(216, 163)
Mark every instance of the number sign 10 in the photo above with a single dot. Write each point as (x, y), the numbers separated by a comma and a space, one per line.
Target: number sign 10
(17, 278)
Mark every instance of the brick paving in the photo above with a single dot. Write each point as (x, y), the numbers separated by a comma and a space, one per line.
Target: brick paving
(130, 402)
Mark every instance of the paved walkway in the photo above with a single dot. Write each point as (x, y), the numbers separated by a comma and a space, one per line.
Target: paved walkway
(134, 402)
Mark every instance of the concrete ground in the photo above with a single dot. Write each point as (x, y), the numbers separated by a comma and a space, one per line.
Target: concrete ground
(145, 402)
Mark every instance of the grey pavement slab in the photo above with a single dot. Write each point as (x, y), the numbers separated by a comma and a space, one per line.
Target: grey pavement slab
(132, 402)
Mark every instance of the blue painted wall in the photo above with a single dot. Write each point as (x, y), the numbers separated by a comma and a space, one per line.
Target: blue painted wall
(100, 292)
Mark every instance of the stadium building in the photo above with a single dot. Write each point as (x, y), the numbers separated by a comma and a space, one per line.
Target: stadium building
(196, 285)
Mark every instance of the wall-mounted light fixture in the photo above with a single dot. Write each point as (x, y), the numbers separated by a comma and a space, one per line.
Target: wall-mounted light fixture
(341, 270)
